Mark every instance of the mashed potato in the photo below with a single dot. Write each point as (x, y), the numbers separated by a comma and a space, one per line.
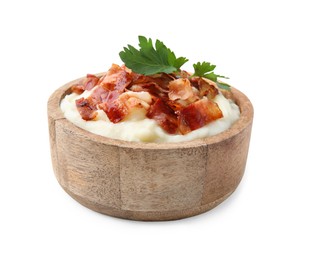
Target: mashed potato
(138, 128)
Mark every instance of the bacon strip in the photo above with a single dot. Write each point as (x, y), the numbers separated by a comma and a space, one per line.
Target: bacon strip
(119, 108)
(164, 116)
(89, 82)
(116, 110)
(162, 80)
(117, 78)
(198, 114)
(110, 87)
(180, 89)
(205, 89)
(151, 87)
(86, 109)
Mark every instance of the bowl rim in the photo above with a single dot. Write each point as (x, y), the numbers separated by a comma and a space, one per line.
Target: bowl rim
(246, 118)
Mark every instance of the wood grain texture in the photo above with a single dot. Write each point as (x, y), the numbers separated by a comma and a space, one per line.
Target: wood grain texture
(148, 181)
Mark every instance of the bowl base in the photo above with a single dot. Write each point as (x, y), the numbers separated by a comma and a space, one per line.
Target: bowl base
(147, 215)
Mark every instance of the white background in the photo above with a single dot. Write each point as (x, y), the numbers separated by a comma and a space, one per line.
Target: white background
(263, 46)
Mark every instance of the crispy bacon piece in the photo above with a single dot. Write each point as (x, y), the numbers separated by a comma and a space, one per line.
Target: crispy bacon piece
(198, 114)
(161, 79)
(89, 82)
(176, 106)
(117, 78)
(151, 87)
(98, 95)
(139, 78)
(86, 109)
(158, 82)
(180, 89)
(205, 88)
(101, 95)
(164, 116)
(110, 87)
(77, 88)
(116, 110)
(119, 108)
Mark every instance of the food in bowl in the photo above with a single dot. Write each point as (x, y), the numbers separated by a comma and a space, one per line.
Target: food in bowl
(149, 180)
(160, 107)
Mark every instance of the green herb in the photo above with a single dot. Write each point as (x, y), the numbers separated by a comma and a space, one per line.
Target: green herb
(205, 70)
(149, 60)
(223, 85)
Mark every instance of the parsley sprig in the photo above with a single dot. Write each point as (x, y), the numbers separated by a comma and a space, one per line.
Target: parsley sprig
(205, 70)
(149, 60)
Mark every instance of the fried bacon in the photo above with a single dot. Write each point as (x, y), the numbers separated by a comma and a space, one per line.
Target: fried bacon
(180, 89)
(156, 85)
(118, 109)
(164, 116)
(86, 109)
(151, 87)
(117, 78)
(89, 82)
(162, 80)
(198, 114)
(206, 88)
(178, 103)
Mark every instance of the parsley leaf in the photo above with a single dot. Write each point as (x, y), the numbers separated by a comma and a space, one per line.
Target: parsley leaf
(201, 68)
(205, 70)
(149, 60)
(223, 85)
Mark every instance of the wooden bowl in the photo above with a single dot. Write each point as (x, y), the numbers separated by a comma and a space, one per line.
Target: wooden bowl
(148, 181)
